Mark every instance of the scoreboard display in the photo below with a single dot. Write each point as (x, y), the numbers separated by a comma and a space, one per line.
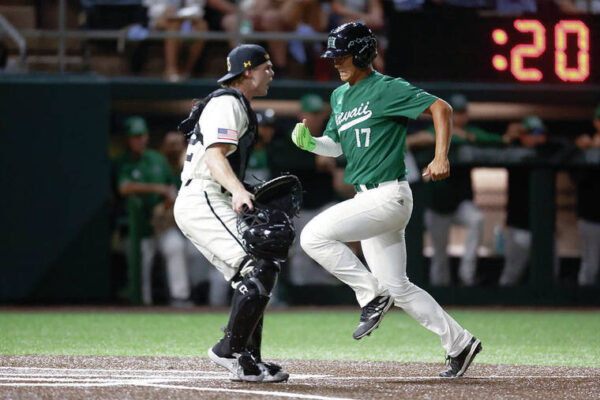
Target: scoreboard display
(529, 50)
(525, 50)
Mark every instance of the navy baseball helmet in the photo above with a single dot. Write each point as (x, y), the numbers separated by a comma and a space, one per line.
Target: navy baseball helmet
(243, 57)
(353, 38)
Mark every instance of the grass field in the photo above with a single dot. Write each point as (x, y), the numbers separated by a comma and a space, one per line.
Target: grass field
(566, 338)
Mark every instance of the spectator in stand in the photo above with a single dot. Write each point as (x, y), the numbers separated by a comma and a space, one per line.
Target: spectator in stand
(221, 14)
(408, 5)
(178, 16)
(303, 16)
(450, 201)
(146, 174)
(530, 132)
(516, 6)
(588, 210)
(579, 6)
(370, 12)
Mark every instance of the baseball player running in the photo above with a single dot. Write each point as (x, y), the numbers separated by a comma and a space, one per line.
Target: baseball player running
(368, 125)
(212, 193)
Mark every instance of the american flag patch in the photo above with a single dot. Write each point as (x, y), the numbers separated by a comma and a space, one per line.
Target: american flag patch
(228, 134)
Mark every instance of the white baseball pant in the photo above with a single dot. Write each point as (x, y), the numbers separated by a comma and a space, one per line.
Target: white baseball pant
(170, 244)
(210, 225)
(438, 225)
(377, 218)
(589, 236)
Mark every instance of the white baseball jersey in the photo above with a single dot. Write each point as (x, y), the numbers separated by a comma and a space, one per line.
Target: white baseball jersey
(202, 211)
(223, 120)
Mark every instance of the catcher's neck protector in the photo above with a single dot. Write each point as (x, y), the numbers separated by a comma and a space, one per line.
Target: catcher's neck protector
(240, 157)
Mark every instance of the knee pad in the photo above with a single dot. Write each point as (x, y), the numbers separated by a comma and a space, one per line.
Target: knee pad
(264, 276)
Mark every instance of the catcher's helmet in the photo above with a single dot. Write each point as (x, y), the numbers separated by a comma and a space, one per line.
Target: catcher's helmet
(266, 233)
(352, 38)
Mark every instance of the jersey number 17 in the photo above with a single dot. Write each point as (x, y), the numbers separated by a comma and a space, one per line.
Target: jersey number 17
(367, 133)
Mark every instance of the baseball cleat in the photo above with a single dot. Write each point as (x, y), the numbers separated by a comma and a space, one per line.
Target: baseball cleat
(372, 314)
(460, 363)
(241, 365)
(273, 372)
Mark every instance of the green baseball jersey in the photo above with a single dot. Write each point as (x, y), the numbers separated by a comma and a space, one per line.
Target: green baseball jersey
(152, 167)
(369, 120)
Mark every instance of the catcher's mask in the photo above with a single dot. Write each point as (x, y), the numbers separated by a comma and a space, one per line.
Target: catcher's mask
(266, 233)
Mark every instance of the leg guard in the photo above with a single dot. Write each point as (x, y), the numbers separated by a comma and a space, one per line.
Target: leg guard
(255, 341)
(250, 298)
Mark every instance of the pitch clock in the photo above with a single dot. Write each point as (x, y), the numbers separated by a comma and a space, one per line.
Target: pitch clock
(566, 43)
(530, 50)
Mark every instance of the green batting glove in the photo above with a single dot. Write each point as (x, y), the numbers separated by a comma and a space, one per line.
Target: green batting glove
(302, 138)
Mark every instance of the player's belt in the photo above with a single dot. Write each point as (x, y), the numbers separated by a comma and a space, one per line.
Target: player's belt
(223, 190)
(367, 186)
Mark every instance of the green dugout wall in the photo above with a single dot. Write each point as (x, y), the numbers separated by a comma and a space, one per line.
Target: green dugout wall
(55, 186)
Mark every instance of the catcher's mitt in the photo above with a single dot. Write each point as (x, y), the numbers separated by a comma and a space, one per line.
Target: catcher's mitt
(282, 193)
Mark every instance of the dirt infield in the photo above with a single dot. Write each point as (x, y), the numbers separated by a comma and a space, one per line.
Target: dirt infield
(77, 377)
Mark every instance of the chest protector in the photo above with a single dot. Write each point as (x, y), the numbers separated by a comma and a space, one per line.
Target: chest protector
(239, 158)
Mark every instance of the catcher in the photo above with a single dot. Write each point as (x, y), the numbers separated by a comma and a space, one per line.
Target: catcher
(244, 240)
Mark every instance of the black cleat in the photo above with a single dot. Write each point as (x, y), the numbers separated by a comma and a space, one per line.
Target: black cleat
(241, 365)
(372, 314)
(460, 363)
(273, 372)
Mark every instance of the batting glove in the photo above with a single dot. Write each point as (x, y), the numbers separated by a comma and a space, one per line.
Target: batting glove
(302, 138)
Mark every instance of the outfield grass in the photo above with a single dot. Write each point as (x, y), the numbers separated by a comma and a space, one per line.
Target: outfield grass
(509, 337)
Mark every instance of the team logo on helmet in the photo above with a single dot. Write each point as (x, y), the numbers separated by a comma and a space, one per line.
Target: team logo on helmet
(228, 65)
(363, 40)
(331, 42)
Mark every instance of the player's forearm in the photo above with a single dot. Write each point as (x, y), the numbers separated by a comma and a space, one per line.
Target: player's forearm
(325, 146)
(221, 170)
(442, 122)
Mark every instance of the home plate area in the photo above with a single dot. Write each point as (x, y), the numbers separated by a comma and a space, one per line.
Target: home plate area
(77, 377)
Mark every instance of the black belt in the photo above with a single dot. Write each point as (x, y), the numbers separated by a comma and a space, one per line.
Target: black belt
(358, 188)
(187, 183)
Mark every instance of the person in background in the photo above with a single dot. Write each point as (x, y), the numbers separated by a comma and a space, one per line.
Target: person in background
(578, 6)
(588, 210)
(145, 173)
(173, 147)
(450, 201)
(258, 167)
(178, 16)
(530, 132)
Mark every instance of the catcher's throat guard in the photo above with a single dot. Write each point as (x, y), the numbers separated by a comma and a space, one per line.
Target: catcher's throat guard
(268, 232)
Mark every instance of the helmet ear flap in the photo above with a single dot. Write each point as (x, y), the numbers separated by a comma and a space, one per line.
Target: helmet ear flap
(366, 54)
